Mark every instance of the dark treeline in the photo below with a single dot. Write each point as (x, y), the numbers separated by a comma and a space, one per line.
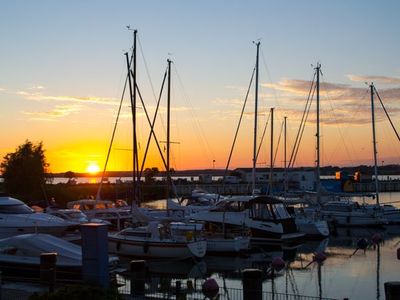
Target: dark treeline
(390, 169)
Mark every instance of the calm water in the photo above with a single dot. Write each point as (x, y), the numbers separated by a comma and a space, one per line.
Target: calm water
(344, 274)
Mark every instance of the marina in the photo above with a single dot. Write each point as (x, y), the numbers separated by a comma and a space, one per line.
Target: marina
(213, 150)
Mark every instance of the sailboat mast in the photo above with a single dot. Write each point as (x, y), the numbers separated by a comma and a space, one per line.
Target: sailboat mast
(168, 126)
(318, 175)
(135, 154)
(284, 156)
(271, 158)
(255, 122)
(374, 144)
(133, 122)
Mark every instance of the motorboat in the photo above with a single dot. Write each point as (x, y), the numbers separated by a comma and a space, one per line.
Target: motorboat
(117, 213)
(307, 218)
(20, 255)
(351, 213)
(265, 216)
(311, 224)
(156, 240)
(75, 215)
(18, 218)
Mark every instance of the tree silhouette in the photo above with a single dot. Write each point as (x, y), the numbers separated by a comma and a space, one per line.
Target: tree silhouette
(24, 172)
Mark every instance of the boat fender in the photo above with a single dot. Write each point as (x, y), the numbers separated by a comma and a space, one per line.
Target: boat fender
(118, 246)
(146, 247)
(210, 288)
(376, 238)
(278, 263)
(319, 257)
(362, 244)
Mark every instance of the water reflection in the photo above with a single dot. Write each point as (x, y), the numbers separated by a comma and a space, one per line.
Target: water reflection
(346, 273)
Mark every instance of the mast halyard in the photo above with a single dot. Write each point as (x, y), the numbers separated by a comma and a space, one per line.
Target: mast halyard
(318, 167)
(372, 88)
(255, 122)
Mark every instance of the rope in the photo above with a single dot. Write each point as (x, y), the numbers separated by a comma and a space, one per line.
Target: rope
(277, 145)
(387, 115)
(300, 132)
(305, 112)
(112, 136)
(263, 134)
(198, 128)
(238, 126)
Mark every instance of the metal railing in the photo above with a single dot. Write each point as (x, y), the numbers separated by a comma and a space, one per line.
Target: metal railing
(167, 288)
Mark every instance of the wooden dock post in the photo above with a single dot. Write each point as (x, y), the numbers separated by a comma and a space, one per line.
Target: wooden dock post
(48, 269)
(392, 290)
(138, 275)
(252, 284)
(95, 254)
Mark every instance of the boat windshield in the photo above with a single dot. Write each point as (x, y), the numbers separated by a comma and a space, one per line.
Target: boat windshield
(261, 211)
(230, 206)
(280, 211)
(16, 209)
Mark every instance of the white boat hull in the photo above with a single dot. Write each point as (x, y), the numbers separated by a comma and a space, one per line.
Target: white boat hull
(353, 219)
(313, 228)
(157, 249)
(11, 225)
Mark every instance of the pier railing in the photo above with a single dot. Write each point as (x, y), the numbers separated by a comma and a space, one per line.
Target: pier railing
(193, 289)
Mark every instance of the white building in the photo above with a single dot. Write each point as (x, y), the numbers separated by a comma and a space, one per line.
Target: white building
(298, 179)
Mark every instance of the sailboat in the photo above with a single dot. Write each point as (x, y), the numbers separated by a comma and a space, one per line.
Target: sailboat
(351, 213)
(265, 216)
(391, 213)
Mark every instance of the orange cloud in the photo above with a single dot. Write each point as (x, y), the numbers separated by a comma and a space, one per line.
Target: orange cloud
(375, 79)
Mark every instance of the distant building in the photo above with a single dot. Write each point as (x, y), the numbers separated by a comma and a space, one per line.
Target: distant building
(205, 178)
(298, 179)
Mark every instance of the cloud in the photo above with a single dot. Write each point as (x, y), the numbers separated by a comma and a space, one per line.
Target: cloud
(340, 103)
(2, 89)
(36, 87)
(375, 79)
(38, 96)
(58, 111)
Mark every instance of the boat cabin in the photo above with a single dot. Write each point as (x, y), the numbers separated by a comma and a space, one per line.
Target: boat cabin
(259, 208)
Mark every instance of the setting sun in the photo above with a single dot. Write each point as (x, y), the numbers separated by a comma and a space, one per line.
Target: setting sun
(93, 168)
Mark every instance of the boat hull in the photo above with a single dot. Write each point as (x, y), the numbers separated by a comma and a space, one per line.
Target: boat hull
(157, 249)
(228, 245)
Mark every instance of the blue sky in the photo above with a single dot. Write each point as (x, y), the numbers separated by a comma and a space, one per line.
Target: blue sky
(55, 51)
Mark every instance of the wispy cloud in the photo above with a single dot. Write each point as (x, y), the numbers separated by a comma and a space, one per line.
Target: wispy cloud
(87, 100)
(57, 112)
(36, 87)
(375, 79)
(340, 103)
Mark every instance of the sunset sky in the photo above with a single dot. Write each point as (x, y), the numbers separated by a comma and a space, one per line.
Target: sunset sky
(62, 72)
